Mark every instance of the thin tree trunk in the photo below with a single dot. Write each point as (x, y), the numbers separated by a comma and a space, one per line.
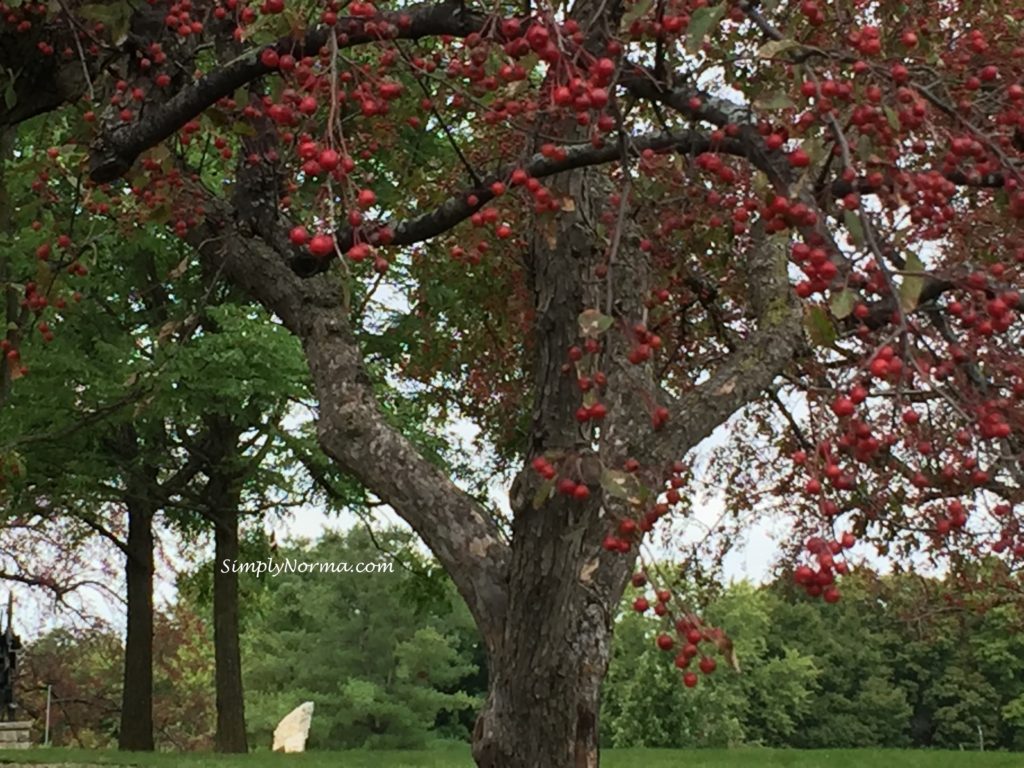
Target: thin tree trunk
(231, 736)
(222, 498)
(137, 697)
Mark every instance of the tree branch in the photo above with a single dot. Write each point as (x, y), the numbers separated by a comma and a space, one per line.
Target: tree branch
(115, 151)
(459, 208)
(352, 428)
(752, 367)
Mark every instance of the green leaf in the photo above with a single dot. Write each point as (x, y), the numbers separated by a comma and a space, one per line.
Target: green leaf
(855, 226)
(116, 17)
(819, 326)
(910, 290)
(10, 96)
(702, 22)
(593, 323)
(842, 303)
(105, 13)
(160, 215)
(890, 115)
(636, 11)
(816, 149)
(217, 117)
(615, 483)
(864, 148)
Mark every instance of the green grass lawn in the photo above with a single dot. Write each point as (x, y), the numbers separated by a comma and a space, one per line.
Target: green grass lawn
(458, 757)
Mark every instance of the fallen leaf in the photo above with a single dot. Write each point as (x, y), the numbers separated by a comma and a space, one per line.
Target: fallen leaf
(727, 388)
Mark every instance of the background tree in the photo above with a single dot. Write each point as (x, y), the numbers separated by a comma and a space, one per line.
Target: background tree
(82, 668)
(897, 663)
(124, 416)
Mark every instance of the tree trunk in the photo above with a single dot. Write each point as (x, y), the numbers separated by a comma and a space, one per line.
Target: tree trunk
(231, 735)
(545, 716)
(545, 685)
(137, 697)
(222, 498)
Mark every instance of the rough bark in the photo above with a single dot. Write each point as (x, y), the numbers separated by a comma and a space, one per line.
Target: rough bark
(544, 692)
(543, 701)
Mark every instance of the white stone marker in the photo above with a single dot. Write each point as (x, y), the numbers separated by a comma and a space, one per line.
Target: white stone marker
(291, 733)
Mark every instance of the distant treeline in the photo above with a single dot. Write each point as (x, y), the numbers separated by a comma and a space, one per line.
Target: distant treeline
(393, 660)
(900, 661)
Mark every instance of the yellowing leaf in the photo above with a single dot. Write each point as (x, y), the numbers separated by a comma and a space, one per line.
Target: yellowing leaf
(167, 330)
(727, 388)
(773, 48)
(588, 570)
(910, 290)
(179, 270)
(593, 323)
(551, 233)
(774, 100)
(13, 368)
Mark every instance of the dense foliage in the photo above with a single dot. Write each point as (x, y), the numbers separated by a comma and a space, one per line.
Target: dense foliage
(386, 657)
(900, 662)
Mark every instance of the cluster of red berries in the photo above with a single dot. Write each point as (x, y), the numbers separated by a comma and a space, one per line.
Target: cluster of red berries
(565, 485)
(822, 582)
(689, 634)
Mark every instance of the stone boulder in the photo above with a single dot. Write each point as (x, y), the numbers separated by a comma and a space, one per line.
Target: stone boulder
(291, 733)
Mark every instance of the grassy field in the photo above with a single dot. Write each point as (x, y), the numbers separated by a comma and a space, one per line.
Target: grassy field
(456, 757)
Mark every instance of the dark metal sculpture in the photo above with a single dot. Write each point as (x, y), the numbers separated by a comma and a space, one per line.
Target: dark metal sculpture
(10, 646)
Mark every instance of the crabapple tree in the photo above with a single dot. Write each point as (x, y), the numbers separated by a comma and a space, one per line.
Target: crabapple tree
(599, 230)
